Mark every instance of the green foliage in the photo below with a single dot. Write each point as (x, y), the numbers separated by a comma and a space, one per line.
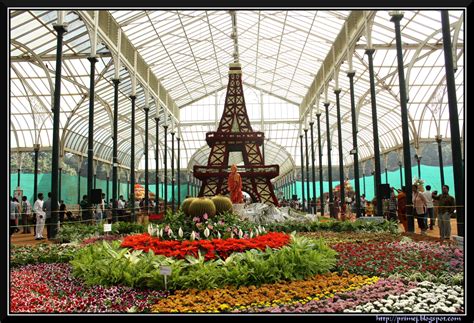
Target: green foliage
(201, 206)
(222, 203)
(336, 226)
(108, 264)
(76, 232)
(42, 253)
(186, 203)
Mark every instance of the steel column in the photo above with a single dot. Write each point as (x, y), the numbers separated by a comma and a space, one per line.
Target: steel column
(302, 174)
(308, 199)
(157, 173)
(114, 151)
(355, 149)
(328, 135)
(146, 110)
(132, 158)
(321, 189)
(311, 124)
(339, 143)
(172, 171)
(440, 156)
(165, 184)
(35, 184)
(178, 175)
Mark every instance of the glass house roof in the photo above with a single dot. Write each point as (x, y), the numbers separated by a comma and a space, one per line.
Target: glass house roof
(186, 53)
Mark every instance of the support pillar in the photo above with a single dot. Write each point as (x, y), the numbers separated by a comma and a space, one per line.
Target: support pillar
(458, 160)
(107, 190)
(59, 184)
(401, 174)
(157, 173)
(178, 175)
(114, 152)
(147, 202)
(79, 186)
(370, 54)
(165, 158)
(339, 143)
(302, 174)
(440, 156)
(60, 29)
(90, 147)
(355, 152)
(36, 148)
(18, 179)
(311, 124)
(172, 171)
(331, 201)
(321, 188)
(132, 159)
(418, 163)
(308, 198)
(396, 17)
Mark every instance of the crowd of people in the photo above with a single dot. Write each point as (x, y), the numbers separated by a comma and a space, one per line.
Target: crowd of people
(429, 208)
(27, 218)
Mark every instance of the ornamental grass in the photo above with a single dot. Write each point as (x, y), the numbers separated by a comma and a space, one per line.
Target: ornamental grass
(241, 298)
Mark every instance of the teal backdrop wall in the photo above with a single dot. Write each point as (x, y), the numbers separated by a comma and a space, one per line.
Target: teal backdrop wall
(69, 185)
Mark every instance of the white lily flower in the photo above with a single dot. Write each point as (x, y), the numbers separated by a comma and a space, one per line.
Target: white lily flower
(240, 233)
(251, 234)
(170, 233)
(257, 232)
(263, 229)
(206, 232)
(218, 235)
(180, 232)
(150, 229)
(160, 233)
(193, 236)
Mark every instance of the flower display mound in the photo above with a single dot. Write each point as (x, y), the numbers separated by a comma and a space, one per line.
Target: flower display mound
(244, 298)
(215, 248)
(401, 258)
(107, 263)
(50, 288)
(350, 236)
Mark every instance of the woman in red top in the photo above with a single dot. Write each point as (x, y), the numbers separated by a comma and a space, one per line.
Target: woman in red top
(234, 184)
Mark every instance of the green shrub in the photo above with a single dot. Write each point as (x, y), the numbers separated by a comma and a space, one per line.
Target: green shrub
(42, 253)
(222, 203)
(201, 206)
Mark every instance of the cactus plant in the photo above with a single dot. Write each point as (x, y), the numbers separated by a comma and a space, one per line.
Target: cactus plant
(186, 203)
(222, 204)
(200, 206)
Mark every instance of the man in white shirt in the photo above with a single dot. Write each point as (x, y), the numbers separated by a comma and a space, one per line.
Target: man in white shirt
(120, 208)
(429, 207)
(100, 209)
(40, 217)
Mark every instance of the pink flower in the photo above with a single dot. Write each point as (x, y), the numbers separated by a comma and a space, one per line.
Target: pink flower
(205, 216)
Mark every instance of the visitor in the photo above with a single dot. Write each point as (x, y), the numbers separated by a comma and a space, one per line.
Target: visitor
(429, 207)
(100, 209)
(120, 208)
(326, 207)
(392, 206)
(446, 208)
(26, 214)
(369, 209)
(363, 203)
(402, 208)
(14, 213)
(348, 200)
(40, 217)
(62, 212)
(435, 205)
(85, 211)
(47, 209)
(419, 204)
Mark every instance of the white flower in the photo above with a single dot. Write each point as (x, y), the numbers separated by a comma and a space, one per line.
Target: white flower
(193, 236)
(180, 232)
(160, 233)
(170, 232)
(218, 234)
(240, 233)
(150, 229)
(251, 234)
(206, 232)
(263, 229)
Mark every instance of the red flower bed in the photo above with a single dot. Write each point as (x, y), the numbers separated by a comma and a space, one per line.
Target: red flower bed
(211, 248)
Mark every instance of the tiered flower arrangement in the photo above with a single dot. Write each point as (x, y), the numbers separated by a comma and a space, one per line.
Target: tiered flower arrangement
(215, 248)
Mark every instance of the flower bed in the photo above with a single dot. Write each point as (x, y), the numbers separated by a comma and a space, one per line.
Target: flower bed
(215, 248)
(109, 264)
(384, 259)
(355, 237)
(48, 288)
(42, 253)
(243, 298)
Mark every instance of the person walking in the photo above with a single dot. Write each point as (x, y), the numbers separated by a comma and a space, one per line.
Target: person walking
(429, 207)
(26, 214)
(62, 212)
(392, 206)
(402, 208)
(14, 212)
(85, 210)
(446, 208)
(100, 209)
(419, 204)
(120, 209)
(363, 204)
(47, 209)
(40, 217)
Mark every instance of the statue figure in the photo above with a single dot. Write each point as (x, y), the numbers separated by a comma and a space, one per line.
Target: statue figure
(234, 184)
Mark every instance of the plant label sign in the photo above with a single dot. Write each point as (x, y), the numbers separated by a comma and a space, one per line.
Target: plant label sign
(107, 227)
(165, 270)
